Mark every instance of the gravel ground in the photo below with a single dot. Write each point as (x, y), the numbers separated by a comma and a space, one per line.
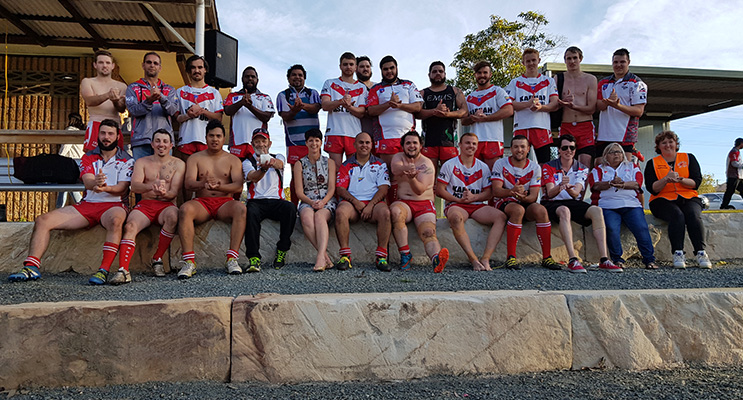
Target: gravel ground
(695, 382)
(299, 279)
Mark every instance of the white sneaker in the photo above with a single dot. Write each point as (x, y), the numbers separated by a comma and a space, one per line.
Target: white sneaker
(232, 267)
(123, 276)
(703, 260)
(157, 266)
(679, 259)
(188, 269)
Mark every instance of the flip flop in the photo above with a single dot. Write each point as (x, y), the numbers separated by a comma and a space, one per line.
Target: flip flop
(651, 265)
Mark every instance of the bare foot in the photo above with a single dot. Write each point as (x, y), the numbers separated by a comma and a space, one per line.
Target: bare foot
(320, 264)
(476, 266)
(328, 262)
(485, 265)
(319, 267)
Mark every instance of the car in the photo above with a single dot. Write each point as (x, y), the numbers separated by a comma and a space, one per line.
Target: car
(715, 199)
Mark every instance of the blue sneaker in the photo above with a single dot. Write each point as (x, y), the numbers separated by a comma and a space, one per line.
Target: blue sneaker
(27, 273)
(405, 260)
(99, 278)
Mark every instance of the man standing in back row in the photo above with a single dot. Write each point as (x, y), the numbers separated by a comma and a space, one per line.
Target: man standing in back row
(443, 105)
(621, 100)
(250, 109)
(578, 100)
(197, 104)
(104, 97)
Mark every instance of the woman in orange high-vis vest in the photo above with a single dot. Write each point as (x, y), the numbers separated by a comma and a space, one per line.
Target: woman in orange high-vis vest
(672, 178)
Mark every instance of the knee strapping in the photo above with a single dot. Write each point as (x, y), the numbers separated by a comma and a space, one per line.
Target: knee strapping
(428, 232)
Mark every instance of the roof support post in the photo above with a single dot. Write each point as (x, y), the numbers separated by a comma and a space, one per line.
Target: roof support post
(200, 27)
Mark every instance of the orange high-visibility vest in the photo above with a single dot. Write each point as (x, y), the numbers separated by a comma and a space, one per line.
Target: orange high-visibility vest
(672, 190)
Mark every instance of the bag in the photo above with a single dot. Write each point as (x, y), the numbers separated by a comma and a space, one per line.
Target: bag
(46, 168)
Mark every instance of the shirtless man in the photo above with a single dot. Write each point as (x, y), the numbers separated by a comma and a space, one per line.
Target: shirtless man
(214, 175)
(415, 176)
(104, 97)
(578, 100)
(464, 183)
(158, 179)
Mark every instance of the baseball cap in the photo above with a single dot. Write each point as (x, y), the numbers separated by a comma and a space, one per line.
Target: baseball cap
(261, 132)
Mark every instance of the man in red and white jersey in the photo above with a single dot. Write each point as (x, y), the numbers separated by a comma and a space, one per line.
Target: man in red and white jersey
(734, 173)
(488, 106)
(578, 102)
(621, 100)
(250, 109)
(564, 180)
(534, 96)
(464, 183)
(104, 97)
(106, 172)
(197, 104)
(516, 185)
(362, 184)
(344, 99)
(394, 101)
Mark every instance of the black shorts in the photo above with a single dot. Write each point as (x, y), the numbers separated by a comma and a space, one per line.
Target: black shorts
(577, 208)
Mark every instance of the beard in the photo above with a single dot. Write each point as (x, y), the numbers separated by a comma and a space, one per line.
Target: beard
(109, 147)
(436, 81)
(393, 80)
(362, 77)
(413, 154)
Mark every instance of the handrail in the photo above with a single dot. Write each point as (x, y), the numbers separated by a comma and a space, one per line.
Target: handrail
(49, 136)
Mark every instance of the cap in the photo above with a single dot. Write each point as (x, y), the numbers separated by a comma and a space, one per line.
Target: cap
(261, 132)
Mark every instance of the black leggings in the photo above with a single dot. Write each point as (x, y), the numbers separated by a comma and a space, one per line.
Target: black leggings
(678, 213)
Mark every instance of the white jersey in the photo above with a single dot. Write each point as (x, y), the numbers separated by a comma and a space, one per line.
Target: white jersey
(363, 182)
(244, 122)
(340, 121)
(529, 176)
(208, 98)
(119, 168)
(270, 186)
(394, 122)
(552, 172)
(523, 89)
(458, 177)
(614, 198)
(490, 101)
(614, 125)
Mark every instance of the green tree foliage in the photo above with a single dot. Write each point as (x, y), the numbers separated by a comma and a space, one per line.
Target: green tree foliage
(708, 185)
(502, 44)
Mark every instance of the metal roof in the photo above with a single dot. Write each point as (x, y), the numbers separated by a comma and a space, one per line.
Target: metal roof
(675, 93)
(107, 24)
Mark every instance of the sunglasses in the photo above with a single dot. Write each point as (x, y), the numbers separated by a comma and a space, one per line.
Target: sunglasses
(566, 148)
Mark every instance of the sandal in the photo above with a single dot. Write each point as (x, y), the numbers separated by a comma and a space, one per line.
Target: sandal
(651, 265)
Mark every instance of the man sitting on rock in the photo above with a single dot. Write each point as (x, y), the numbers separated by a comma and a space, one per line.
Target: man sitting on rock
(106, 172)
(264, 172)
(362, 185)
(214, 175)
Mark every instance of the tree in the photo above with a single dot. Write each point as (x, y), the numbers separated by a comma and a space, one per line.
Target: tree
(502, 43)
(708, 185)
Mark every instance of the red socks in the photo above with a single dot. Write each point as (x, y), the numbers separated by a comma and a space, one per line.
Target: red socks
(544, 234)
(109, 253)
(513, 233)
(127, 251)
(162, 244)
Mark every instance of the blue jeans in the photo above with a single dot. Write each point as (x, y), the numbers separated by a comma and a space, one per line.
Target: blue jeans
(634, 219)
(142, 151)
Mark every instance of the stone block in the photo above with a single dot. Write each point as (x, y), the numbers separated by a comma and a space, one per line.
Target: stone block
(656, 329)
(337, 337)
(102, 343)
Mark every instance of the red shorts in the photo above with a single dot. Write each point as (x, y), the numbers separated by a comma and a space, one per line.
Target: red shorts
(443, 153)
(152, 208)
(94, 211)
(91, 136)
(419, 207)
(470, 208)
(242, 151)
(584, 132)
(190, 148)
(340, 144)
(213, 204)
(294, 153)
(489, 150)
(537, 137)
(389, 146)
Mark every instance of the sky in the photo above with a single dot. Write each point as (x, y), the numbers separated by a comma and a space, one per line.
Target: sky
(682, 33)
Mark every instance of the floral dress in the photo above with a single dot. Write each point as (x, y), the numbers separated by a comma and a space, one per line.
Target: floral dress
(315, 178)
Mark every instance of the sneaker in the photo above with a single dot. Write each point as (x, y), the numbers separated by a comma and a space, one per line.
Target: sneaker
(405, 260)
(188, 269)
(232, 267)
(550, 263)
(679, 259)
(703, 260)
(343, 264)
(280, 260)
(99, 278)
(439, 260)
(158, 268)
(575, 266)
(609, 266)
(255, 265)
(511, 263)
(121, 277)
(27, 273)
(382, 265)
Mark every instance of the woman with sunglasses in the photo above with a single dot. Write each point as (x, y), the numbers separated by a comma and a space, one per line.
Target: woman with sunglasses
(672, 178)
(618, 183)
